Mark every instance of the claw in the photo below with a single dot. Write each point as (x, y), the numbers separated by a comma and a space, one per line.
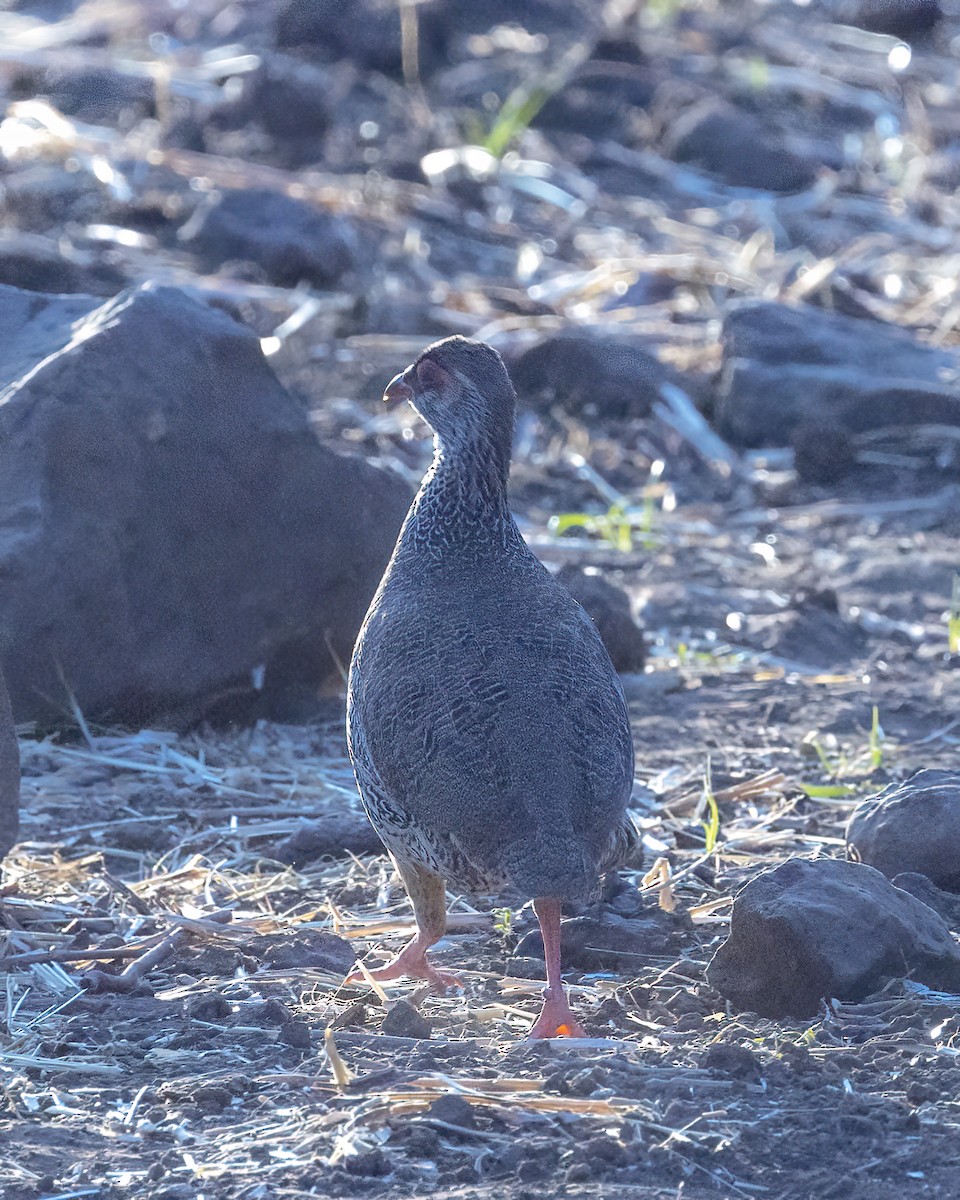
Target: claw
(556, 1017)
(411, 962)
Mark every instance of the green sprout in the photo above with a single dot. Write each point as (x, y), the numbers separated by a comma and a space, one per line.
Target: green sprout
(876, 741)
(711, 828)
(613, 527)
(503, 921)
(953, 617)
(521, 106)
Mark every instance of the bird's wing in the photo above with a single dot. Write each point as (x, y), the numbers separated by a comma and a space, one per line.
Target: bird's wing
(508, 718)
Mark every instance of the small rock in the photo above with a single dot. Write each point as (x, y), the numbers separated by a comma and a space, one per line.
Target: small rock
(334, 837)
(899, 18)
(292, 241)
(454, 1110)
(291, 100)
(609, 608)
(588, 376)
(370, 1163)
(947, 904)
(268, 1012)
(97, 95)
(9, 774)
(403, 1020)
(912, 826)
(296, 1034)
(313, 948)
(600, 100)
(43, 194)
(208, 1006)
(810, 930)
(735, 1061)
(784, 367)
(612, 943)
(737, 147)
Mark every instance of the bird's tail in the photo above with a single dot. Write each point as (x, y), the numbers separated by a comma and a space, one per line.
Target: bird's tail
(554, 866)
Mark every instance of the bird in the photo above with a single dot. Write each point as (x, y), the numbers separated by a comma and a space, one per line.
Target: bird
(487, 727)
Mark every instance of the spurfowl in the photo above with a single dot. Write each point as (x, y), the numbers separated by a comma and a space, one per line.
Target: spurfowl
(487, 726)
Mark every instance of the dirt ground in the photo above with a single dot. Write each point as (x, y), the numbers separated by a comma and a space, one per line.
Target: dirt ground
(799, 660)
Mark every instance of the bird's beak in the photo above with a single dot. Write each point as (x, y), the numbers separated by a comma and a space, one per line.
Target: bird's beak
(399, 389)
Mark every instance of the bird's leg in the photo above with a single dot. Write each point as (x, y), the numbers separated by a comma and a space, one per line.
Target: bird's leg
(428, 897)
(556, 1017)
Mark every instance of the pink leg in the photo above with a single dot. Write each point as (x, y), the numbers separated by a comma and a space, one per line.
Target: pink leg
(427, 895)
(556, 1017)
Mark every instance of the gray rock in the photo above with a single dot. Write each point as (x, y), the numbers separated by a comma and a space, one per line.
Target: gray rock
(609, 608)
(291, 240)
(589, 376)
(947, 904)
(786, 369)
(609, 943)
(811, 930)
(403, 1020)
(912, 826)
(333, 837)
(9, 775)
(737, 147)
(169, 523)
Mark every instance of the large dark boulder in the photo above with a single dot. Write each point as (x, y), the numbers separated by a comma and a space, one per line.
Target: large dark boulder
(807, 931)
(785, 369)
(171, 530)
(9, 775)
(912, 826)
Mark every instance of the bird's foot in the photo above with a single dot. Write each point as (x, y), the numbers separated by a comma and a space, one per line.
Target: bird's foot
(411, 963)
(556, 1017)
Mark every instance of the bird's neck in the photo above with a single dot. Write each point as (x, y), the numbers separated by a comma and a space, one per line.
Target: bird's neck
(462, 502)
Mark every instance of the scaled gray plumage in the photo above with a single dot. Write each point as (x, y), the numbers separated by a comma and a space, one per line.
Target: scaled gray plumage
(486, 723)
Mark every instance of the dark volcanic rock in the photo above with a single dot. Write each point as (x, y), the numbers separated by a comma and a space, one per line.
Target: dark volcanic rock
(912, 826)
(291, 240)
(588, 376)
(811, 930)
(312, 948)
(823, 454)
(901, 18)
(170, 522)
(737, 147)
(9, 775)
(610, 943)
(599, 100)
(365, 32)
(609, 608)
(812, 632)
(786, 367)
(96, 95)
(403, 1020)
(334, 837)
(947, 904)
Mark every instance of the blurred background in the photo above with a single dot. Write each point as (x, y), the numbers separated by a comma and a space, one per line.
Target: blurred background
(714, 242)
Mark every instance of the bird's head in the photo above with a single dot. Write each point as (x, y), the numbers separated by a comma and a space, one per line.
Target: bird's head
(462, 390)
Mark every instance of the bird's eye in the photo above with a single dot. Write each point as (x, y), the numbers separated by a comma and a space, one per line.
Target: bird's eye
(431, 376)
